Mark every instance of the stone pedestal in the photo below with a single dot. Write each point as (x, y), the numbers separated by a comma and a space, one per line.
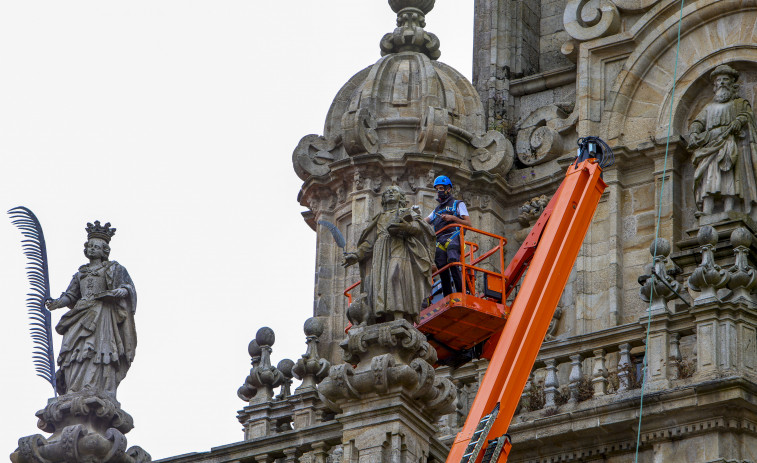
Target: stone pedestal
(385, 428)
(86, 427)
(658, 351)
(726, 336)
(388, 395)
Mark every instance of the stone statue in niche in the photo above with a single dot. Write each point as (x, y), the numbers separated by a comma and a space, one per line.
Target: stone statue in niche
(723, 141)
(99, 337)
(396, 254)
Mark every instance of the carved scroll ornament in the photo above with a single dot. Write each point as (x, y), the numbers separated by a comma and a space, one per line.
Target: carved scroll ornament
(591, 19)
(494, 153)
(360, 132)
(313, 156)
(544, 135)
(433, 134)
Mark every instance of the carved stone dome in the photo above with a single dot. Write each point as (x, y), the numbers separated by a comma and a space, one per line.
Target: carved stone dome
(407, 103)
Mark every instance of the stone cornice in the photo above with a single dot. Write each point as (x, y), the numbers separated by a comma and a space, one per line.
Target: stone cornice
(543, 81)
(725, 404)
(330, 432)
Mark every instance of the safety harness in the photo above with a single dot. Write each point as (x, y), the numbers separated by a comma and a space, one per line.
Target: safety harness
(443, 242)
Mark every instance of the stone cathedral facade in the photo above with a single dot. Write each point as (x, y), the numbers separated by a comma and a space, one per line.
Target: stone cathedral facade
(666, 272)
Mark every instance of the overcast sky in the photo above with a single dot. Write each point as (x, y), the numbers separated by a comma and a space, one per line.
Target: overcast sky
(175, 120)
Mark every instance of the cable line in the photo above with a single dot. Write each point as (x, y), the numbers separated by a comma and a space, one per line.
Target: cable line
(656, 236)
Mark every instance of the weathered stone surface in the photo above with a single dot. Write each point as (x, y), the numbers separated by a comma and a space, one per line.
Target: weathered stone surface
(99, 343)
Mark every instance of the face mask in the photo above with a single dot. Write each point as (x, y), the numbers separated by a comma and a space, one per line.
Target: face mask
(442, 196)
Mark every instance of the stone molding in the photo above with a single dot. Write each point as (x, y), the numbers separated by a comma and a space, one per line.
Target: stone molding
(730, 412)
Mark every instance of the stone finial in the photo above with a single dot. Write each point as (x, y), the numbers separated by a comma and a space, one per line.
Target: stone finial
(657, 286)
(409, 34)
(285, 367)
(708, 277)
(258, 386)
(311, 369)
(247, 391)
(254, 350)
(743, 278)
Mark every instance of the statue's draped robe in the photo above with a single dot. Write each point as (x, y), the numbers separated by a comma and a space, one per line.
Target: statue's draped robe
(99, 337)
(397, 276)
(724, 163)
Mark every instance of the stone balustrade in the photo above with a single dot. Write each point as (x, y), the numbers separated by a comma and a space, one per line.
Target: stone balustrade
(568, 372)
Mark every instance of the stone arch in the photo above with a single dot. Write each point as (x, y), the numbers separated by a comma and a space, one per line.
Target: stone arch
(712, 33)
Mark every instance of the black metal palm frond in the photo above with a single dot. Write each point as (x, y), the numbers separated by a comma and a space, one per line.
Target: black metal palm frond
(338, 237)
(41, 329)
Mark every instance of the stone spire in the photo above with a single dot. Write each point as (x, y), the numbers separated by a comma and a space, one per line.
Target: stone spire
(409, 34)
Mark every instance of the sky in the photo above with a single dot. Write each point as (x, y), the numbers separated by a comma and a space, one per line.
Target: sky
(175, 120)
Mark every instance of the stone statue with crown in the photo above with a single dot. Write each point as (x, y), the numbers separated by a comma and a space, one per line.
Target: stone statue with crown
(99, 338)
(99, 341)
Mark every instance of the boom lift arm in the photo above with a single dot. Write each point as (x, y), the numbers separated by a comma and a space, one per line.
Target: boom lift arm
(549, 252)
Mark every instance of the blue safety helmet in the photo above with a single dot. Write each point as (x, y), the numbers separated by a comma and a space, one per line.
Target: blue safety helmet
(442, 180)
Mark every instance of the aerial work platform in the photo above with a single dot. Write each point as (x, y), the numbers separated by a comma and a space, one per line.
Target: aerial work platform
(477, 322)
(461, 321)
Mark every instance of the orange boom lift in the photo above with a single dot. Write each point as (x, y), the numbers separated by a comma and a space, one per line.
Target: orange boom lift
(480, 324)
(549, 253)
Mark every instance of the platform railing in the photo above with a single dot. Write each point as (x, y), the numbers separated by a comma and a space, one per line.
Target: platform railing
(469, 262)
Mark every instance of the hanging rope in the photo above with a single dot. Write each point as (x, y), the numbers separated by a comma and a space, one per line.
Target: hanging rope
(657, 235)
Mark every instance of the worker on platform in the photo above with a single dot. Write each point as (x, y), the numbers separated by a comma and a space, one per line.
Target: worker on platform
(449, 211)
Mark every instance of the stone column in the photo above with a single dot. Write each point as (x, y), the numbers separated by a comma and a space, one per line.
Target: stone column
(624, 367)
(551, 384)
(599, 373)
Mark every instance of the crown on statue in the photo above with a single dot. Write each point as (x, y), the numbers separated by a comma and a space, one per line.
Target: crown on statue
(104, 232)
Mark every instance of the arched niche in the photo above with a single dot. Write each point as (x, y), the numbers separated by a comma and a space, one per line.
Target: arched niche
(712, 33)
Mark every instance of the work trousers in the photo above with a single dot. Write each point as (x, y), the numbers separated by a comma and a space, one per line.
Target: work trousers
(444, 257)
